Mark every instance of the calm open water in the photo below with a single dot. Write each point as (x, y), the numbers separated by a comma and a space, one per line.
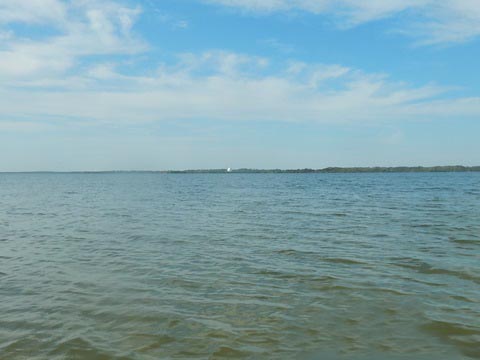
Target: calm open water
(261, 266)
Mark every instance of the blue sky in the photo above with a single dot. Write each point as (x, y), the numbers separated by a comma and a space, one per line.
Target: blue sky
(176, 84)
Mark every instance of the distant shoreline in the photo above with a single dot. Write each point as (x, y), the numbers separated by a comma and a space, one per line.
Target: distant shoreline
(328, 170)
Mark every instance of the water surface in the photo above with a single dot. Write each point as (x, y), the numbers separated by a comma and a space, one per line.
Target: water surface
(278, 266)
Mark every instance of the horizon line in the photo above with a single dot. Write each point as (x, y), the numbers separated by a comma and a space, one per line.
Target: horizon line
(329, 169)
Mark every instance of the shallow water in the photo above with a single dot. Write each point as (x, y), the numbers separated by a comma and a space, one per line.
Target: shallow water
(280, 266)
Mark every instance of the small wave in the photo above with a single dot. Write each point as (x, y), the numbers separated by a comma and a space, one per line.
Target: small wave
(314, 214)
(275, 273)
(295, 252)
(391, 291)
(298, 277)
(338, 214)
(346, 261)
(228, 352)
(466, 241)
(158, 342)
(379, 235)
(79, 348)
(463, 298)
(459, 274)
(422, 225)
(426, 268)
(302, 213)
(462, 336)
(15, 348)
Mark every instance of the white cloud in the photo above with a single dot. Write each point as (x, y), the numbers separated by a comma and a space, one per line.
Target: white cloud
(84, 28)
(48, 73)
(172, 20)
(222, 86)
(32, 11)
(430, 21)
(351, 10)
(102, 71)
(448, 21)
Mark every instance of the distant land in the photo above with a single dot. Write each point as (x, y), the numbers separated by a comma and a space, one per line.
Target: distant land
(397, 169)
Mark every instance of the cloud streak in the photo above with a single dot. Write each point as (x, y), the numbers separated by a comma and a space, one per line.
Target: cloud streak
(226, 86)
(430, 22)
(52, 77)
(83, 28)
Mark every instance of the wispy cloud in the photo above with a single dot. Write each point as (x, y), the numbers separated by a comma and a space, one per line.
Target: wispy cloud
(428, 21)
(227, 86)
(32, 11)
(449, 21)
(83, 28)
(351, 10)
(174, 21)
(50, 75)
(278, 45)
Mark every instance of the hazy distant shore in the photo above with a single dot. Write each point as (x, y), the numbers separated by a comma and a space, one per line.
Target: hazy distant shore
(398, 169)
(343, 170)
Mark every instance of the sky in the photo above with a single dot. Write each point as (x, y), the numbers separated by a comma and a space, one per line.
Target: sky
(191, 84)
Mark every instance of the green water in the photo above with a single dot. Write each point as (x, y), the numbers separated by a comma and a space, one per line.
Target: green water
(240, 266)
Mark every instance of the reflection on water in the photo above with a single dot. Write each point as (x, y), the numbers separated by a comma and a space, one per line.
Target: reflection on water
(281, 266)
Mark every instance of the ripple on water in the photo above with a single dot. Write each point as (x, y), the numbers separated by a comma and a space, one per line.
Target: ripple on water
(148, 266)
(466, 241)
(227, 352)
(320, 257)
(81, 348)
(152, 343)
(423, 267)
(466, 338)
